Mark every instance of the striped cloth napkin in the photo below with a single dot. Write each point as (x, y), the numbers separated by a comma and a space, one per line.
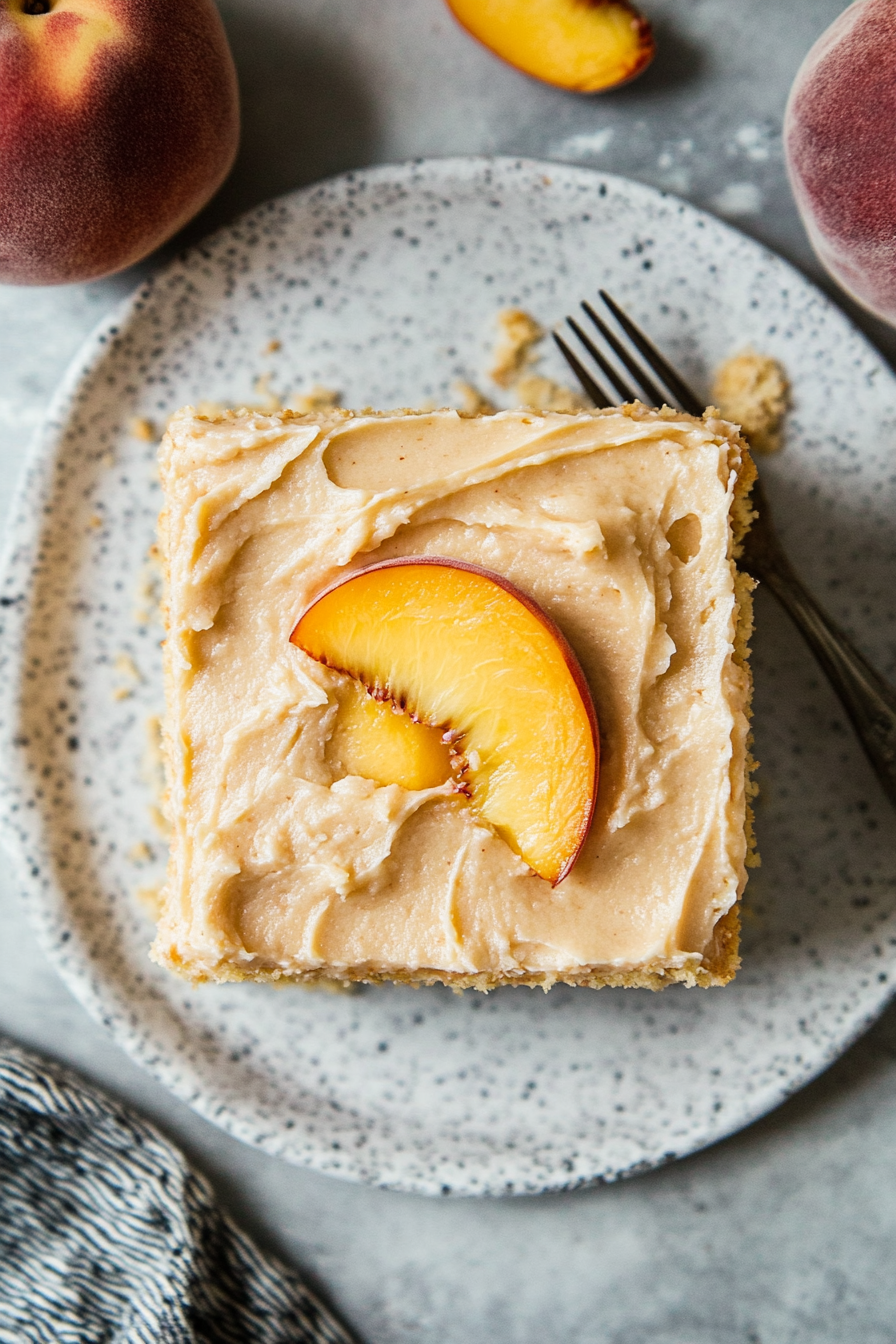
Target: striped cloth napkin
(108, 1237)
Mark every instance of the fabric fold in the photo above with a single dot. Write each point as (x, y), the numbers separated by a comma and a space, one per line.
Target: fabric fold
(107, 1234)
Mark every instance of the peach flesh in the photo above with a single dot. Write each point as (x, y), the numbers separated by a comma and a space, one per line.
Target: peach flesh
(583, 45)
(840, 142)
(462, 649)
(118, 120)
(377, 740)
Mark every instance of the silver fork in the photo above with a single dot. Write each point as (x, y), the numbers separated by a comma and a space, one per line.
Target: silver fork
(868, 699)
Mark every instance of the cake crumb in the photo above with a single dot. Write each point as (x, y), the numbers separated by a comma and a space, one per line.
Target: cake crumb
(537, 393)
(210, 408)
(140, 852)
(143, 429)
(318, 399)
(518, 333)
(95, 521)
(473, 402)
(268, 401)
(272, 347)
(126, 667)
(152, 900)
(752, 390)
(149, 589)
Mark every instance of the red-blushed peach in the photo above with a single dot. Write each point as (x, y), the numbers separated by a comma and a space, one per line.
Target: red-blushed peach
(118, 120)
(840, 142)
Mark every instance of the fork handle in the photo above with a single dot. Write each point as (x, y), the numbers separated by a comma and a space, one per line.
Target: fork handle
(868, 699)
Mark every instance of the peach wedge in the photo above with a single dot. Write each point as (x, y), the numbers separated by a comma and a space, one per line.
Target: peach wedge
(582, 45)
(460, 649)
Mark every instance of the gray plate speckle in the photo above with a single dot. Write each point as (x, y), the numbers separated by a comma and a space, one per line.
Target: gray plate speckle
(384, 284)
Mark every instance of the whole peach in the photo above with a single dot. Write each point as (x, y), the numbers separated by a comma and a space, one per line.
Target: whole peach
(840, 142)
(118, 120)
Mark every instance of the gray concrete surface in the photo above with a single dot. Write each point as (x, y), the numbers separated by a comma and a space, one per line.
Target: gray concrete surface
(784, 1234)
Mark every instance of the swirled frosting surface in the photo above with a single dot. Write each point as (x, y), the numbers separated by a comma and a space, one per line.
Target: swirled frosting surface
(616, 522)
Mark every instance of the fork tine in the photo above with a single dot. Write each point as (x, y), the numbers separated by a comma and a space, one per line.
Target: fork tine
(661, 367)
(655, 397)
(594, 390)
(603, 364)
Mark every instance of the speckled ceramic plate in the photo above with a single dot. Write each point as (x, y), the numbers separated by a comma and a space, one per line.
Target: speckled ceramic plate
(384, 284)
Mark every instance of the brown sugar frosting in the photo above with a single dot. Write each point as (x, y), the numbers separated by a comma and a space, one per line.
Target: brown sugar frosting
(622, 525)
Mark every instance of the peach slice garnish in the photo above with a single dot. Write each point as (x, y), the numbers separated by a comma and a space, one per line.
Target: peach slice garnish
(583, 45)
(461, 650)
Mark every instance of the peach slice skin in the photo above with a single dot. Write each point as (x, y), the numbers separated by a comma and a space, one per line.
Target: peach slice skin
(583, 45)
(461, 649)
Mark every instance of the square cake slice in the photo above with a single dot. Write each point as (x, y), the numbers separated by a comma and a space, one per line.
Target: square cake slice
(321, 832)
